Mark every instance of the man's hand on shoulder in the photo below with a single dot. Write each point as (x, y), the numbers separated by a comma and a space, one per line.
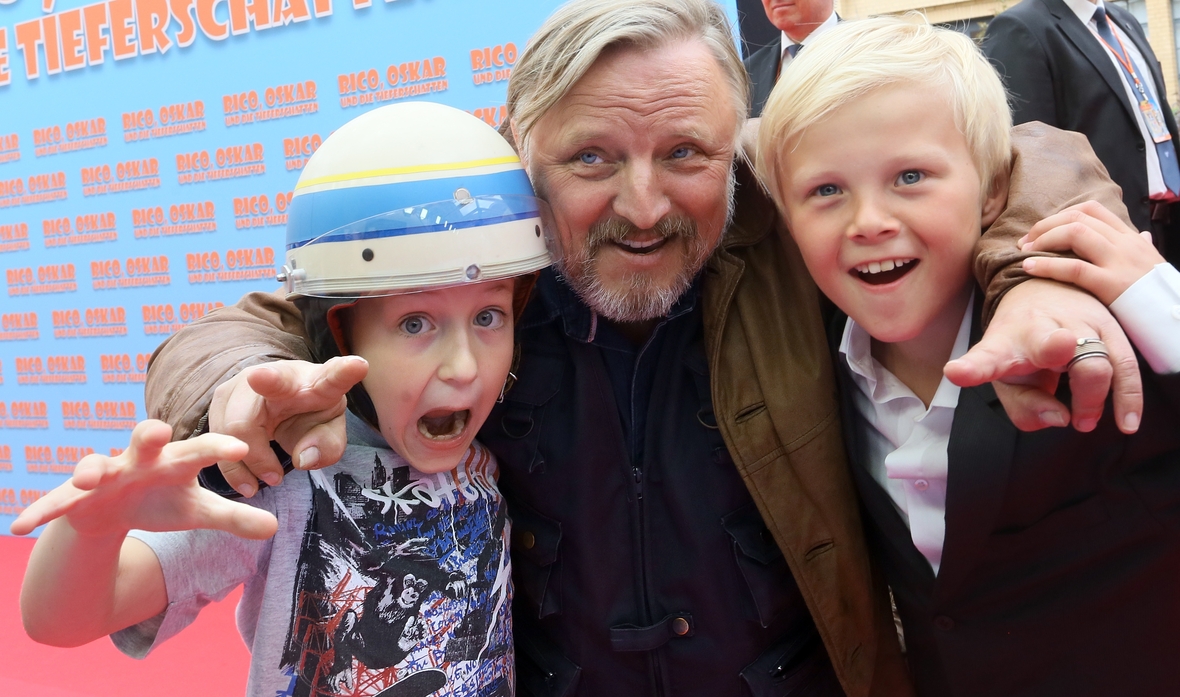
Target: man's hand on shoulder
(300, 405)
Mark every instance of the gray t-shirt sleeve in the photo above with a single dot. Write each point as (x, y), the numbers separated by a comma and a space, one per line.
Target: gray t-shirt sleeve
(200, 567)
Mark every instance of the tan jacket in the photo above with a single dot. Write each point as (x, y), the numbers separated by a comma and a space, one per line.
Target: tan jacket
(774, 392)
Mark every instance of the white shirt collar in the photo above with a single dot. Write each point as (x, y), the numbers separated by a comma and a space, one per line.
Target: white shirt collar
(879, 384)
(1084, 9)
(826, 25)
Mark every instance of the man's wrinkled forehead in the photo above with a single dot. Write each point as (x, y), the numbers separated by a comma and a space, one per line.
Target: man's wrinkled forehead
(673, 88)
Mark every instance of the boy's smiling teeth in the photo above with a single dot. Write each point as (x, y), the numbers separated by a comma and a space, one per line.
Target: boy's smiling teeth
(879, 266)
(879, 273)
(442, 424)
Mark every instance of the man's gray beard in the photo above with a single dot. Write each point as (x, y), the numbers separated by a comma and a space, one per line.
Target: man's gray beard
(640, 298)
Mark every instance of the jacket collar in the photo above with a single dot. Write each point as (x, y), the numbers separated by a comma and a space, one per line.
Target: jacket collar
(1087, 44)
(753, 216)
(554, 300)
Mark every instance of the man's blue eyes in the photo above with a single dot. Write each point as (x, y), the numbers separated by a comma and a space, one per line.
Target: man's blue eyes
(589, 158)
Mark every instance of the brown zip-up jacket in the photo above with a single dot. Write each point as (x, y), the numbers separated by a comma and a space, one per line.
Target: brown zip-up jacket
(773, 388)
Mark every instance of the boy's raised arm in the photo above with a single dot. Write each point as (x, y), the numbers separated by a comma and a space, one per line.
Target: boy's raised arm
(195, 382)
(189, 365)
(85, 578)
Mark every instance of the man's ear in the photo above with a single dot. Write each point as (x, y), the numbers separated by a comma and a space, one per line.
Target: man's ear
(515, 140)
(996, 199)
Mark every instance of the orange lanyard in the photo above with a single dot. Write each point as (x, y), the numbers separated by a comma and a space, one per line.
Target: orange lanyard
(1124, 59)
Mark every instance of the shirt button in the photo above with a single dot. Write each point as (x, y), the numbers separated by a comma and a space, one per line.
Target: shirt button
(921, 484)
(1176, 312)
(944, 623)
(680, 626)
(527, 540)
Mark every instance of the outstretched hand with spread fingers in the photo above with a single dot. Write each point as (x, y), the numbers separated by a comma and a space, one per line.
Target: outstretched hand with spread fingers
(299, 405)
(149, 486)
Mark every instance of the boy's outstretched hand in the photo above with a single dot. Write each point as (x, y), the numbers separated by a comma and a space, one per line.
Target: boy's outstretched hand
(298, 404)
(149, 486)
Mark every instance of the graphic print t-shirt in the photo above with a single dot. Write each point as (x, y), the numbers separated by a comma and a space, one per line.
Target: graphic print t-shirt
(382, 580)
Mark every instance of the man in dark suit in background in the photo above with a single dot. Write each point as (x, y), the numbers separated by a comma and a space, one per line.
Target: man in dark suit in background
(1087, 67)
(797, 20)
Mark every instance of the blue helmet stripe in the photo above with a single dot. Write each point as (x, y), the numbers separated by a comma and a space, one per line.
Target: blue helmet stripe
(313, 214)
(419, 229)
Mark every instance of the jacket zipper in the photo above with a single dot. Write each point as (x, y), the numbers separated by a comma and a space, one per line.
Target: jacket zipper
(637, 477)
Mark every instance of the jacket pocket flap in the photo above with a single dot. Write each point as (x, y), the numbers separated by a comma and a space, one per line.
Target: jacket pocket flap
(534, 536)
(746, 528)
(542, 670)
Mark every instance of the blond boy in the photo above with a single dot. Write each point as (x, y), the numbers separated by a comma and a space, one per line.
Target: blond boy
(1021, 564)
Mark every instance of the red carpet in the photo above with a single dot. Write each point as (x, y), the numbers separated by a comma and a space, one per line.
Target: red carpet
(206, 660)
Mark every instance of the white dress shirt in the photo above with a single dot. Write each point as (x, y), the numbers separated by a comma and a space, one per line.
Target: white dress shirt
(907, 442)
(1084, 9)
(1150, 314)
(907, 445)
(788, 41)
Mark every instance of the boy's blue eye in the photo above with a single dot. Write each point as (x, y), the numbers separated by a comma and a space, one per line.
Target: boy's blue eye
(912, 176)
(827, 190)
(414, 325)
(488, 318)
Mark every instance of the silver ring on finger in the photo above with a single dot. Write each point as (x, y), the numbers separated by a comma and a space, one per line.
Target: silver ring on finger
(1088, 348)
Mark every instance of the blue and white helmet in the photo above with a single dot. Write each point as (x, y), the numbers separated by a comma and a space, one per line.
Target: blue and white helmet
(408, 197)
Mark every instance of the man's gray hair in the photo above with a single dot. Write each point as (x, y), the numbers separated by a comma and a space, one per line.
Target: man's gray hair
(569, 43)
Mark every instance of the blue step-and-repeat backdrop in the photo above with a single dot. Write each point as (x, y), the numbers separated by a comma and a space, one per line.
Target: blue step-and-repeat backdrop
(148, 151)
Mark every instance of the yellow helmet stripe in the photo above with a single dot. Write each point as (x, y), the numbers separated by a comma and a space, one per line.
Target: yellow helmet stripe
(416, 169)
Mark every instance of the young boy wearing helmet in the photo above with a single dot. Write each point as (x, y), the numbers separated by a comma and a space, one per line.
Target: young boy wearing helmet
(413, 237)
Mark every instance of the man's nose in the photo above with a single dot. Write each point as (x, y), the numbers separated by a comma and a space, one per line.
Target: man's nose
(641, 199)
(458, 364)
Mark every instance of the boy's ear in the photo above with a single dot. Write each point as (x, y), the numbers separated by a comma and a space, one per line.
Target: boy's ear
(996, 199)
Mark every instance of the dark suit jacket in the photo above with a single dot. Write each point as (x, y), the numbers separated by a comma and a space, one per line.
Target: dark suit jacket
(1059, 73)
(762, 67)
(1061, 565)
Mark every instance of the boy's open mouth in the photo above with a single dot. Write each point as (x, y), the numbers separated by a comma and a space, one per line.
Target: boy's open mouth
(879, 273)
(442, 425)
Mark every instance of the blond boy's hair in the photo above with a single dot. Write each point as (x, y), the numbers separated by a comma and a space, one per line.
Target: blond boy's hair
(857, 57)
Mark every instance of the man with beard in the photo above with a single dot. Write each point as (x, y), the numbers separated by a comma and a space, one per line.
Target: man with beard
(683, 520)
